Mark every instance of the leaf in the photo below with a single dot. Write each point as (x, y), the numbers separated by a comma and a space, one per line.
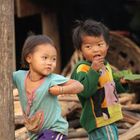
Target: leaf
(123, 73)
(132, 77)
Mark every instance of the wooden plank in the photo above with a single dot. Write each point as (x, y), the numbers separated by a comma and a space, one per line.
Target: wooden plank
(17, 108)
(77, 133)
(50, 28)
(21, 134)
(131, 133)
(25, 8)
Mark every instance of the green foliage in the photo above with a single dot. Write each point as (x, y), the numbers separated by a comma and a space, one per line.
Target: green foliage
(126, 74)
(121, 74)
(132, 77)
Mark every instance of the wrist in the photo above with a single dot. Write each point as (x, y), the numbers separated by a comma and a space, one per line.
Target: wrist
(95, 69)
(61, 90)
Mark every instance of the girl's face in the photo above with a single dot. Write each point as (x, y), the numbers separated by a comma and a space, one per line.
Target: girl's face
(93, 47)
(43, 59)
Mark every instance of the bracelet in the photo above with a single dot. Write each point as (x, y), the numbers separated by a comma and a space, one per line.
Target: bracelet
(61, 91)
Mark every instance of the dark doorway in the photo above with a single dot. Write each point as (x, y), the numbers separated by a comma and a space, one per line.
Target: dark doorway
(24, 27)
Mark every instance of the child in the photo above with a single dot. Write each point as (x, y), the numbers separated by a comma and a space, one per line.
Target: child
(38, 88)
(100, 105)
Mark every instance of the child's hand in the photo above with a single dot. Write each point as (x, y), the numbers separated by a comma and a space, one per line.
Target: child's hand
(55, 90)
(97, 62)
(123, 81)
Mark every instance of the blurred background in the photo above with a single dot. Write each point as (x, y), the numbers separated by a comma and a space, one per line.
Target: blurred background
(57, 18)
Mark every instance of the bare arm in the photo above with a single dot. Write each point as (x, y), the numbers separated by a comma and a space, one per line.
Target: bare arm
(70, 87)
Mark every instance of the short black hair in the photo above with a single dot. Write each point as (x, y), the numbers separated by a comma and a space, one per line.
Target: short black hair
(91, 28)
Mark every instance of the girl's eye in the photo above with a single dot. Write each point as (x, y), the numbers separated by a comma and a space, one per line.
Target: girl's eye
(54, 59)
(44, 57)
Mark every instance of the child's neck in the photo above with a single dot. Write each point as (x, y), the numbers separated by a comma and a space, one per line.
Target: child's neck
(34, 78)
(32, 84)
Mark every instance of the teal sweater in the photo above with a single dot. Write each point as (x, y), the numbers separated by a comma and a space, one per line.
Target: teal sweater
(99, 99)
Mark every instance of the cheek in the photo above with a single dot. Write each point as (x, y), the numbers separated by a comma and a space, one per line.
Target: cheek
(88, 56)
(85, 53)
(104, 52)
(54, 65)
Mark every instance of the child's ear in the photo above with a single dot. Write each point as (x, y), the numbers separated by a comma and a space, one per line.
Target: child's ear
(107, 46)
(28, 58)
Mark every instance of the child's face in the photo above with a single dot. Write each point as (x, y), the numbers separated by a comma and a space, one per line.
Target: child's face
(93, 47)
(43, 59)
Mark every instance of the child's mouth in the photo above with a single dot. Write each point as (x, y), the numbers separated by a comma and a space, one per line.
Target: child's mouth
(96, 56)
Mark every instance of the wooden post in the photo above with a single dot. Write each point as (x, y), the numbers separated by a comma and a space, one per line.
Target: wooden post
(50, 28)
(26, 8)
(6, 67)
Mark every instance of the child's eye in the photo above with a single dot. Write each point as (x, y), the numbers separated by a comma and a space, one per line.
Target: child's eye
(100, 44)
(54, 59)
(88, 46)
(44, 57)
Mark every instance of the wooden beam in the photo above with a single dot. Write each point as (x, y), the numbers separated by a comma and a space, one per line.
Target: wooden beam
(50, 28)
(25, 8)
(132, 133)
(21, 134)
(7, 45)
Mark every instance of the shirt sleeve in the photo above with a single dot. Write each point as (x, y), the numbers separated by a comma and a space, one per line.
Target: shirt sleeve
(121, 87)
(14, 78)
(58, 79)
(88, 77)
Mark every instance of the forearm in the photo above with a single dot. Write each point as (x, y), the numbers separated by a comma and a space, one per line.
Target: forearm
(71, 87)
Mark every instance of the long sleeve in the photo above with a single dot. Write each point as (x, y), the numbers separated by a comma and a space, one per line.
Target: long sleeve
(88, 77)
(121, 87)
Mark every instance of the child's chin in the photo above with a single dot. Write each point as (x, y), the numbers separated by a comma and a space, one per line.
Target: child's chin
(46, 74)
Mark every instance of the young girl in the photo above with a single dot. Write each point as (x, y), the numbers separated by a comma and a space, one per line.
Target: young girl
(38, 88)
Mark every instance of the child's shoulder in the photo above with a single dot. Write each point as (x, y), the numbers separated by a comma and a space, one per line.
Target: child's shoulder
(19, 75)
(57, 79)
(82, 66)
(56, 76)
(83, 62)
(20, 72)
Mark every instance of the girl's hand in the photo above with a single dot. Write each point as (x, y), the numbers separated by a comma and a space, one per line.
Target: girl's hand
(55, 90)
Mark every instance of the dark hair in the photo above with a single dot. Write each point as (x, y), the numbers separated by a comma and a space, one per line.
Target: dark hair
(30, 44)
(91, 28)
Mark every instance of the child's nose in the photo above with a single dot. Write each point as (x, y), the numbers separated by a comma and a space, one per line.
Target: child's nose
(49, 62)
(95, 48)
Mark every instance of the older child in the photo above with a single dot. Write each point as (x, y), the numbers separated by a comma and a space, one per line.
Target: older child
(38, 88)
(100, 105)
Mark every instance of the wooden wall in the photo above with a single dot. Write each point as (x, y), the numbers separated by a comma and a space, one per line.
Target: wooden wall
(25, 8)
